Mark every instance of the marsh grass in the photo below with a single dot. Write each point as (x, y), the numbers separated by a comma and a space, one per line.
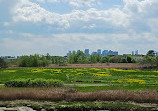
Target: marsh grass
(71, 95)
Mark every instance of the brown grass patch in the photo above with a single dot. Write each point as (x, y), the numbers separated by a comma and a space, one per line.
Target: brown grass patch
(69, 95)
(96, 65)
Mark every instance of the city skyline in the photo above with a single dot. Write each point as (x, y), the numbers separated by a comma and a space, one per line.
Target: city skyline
(56, 26)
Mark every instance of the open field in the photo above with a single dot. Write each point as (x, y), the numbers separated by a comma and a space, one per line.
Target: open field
(119, 78)
(91, 85)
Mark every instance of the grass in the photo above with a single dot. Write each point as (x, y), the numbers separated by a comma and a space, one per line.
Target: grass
(115, 87)
(114, 78)
(121, 86)
(72, 95)
(80, 106)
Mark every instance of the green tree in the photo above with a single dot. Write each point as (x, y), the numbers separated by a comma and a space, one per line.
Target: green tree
(35, 60)
(95, 58)
(104, 59)
(3, 64)
(151, 53)
(149, 61)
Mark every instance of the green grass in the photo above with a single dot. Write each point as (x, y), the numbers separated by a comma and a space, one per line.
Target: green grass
(114, 78)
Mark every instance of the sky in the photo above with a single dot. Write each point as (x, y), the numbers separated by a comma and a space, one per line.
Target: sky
(57, 26)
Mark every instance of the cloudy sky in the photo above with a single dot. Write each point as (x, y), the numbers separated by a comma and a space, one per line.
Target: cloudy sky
(57, 26)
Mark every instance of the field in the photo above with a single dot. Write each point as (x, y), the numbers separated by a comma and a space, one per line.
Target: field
(82, 85)
(117, 78)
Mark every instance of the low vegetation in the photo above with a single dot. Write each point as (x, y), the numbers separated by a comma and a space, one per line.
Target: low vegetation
(118, 78)
(34, 83)
(80, 106)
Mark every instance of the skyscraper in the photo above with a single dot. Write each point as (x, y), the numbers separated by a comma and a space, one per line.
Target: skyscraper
(136, 52)
(87, 52)
(132, 52)
(105, 52)
(99, 51)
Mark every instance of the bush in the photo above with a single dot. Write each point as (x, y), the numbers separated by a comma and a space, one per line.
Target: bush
(3, 64)
(34, 83)
(33, 61)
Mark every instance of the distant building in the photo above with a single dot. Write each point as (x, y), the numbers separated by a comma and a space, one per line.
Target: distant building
(132, 52)
(87, 52)
(78, 50)
(94, 53)
(136, 52)
(99, 51)
(126, 54)
(138, 57)
(112, 52)
(156, 53)
(8, 58)
(68, 54)
(105, 52)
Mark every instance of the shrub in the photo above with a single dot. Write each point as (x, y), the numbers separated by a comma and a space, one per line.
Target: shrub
(34, 83)
(3, 64)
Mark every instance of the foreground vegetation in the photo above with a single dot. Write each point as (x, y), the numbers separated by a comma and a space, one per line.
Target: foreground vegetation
(34, 83)
(81, 106)
(58, 94)
(112, 78)
(121, 86)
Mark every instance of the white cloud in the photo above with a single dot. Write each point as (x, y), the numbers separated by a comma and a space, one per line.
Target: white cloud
(59, 44)
(138, 19)
(26, 11)
(74, 3)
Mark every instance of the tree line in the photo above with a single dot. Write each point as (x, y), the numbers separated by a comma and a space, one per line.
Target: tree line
(36, 60)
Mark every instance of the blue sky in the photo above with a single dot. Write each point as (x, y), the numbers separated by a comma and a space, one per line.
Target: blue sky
(57, 26)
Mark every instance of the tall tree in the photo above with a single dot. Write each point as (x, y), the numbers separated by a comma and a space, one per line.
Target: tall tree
(151, 53)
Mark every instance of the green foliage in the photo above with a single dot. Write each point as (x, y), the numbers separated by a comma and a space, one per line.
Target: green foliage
(95, 58)
(33, 61)
(78, 58)
(59, 60)
(3, 64)
(149, 61)
(122, 59)
(105, 59)
(151, 53)
(34, 83)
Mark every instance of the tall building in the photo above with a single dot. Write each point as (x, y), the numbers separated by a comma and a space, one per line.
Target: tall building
(94, 53)
(112, 52)
(132, 52)
(105, 52)
(136, 52)
(87, 52)
(99, 51)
